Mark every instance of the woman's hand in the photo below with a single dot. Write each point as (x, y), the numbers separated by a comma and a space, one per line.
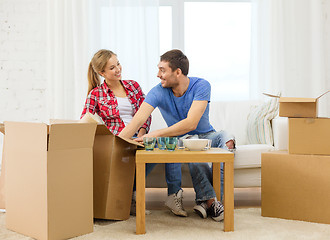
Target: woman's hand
(140, 138)
(142, 131)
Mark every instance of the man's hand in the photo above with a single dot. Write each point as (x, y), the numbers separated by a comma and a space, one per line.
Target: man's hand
(139, 118)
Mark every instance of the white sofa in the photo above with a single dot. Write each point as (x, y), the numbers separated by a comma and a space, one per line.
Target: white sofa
(232, 117)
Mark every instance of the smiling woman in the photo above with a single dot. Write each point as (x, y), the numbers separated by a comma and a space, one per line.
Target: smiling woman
(115, 100)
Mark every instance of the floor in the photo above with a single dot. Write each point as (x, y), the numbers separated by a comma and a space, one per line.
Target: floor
(244, 197)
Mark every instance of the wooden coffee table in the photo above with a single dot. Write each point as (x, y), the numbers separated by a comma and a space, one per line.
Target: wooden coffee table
(214, 155)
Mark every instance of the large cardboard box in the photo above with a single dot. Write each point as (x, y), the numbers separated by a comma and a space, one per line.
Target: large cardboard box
(309, 136)
(114, 170)
(295, 186)
(49, 179)
(298, 107)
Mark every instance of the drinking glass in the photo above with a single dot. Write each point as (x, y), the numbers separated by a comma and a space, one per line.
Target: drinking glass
(149, 143)
(180, 144)
(209, 144)
(161, 143)
(171, 143)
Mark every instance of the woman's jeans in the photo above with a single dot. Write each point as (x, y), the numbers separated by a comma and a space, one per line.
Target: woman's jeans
(201, 173)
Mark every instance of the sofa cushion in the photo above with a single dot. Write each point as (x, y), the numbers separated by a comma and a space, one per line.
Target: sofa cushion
(232, 117)
(259, 128)
(249, 156)
(280, 127)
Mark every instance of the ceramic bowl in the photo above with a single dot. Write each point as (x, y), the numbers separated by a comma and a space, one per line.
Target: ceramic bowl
(195, 144)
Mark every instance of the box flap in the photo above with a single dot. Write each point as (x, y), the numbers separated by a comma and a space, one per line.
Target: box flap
(71, 135)
(270, 95)
(131, 141)
(26, 178)
(2, 128)
(103, 130)
(323, 94)
(28, 135)
(294, 99)
(53, 121)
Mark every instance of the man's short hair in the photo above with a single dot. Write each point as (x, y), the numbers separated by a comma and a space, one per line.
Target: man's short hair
(176, 59)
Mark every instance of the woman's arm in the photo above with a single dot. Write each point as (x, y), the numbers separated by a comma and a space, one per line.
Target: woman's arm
(90, 104)
(139, 118)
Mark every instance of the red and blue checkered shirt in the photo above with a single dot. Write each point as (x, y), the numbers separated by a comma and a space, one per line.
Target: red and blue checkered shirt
(102, 101)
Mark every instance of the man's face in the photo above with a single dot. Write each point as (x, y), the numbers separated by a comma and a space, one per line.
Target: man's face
(168, 78)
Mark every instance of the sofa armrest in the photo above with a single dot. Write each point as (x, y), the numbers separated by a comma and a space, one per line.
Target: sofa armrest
(280, 133)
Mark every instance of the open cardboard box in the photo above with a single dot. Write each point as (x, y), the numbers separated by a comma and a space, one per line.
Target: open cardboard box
(49, 179)
(309, 136)
(298, 107)
(113, 172)
(295, 186)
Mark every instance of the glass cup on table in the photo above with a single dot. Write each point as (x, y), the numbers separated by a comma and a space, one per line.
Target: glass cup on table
(161, 142)
(149, 143)
(209, 144)
(171, 143)
(180, 144)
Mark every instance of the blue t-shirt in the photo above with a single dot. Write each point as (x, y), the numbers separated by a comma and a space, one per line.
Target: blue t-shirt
(175, 109)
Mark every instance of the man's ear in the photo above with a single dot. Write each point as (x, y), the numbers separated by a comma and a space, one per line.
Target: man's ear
(178, 71)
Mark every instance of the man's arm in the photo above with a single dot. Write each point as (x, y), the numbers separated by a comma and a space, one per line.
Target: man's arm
(138, 120)
(186, 125)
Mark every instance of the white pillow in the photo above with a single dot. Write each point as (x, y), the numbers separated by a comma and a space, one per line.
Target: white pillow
(259, 128)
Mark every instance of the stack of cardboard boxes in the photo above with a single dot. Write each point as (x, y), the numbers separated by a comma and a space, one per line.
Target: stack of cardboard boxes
(295, 184)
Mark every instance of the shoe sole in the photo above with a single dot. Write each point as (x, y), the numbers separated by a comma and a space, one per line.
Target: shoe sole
(200, 211)
(177, 213)
(218, 218)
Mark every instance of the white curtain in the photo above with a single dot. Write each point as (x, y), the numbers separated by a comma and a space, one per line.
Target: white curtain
(79, 28)
(288, 52)
(130, 29)
(68, 38)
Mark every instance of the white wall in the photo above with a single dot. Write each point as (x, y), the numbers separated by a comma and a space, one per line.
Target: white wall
(326, 99)
(23, 56)
(23, 37)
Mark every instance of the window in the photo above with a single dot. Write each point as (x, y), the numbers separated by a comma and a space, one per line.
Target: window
(215, 36)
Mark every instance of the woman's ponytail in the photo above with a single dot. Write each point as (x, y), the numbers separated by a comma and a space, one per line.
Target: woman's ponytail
(97, 65)
(93, 78)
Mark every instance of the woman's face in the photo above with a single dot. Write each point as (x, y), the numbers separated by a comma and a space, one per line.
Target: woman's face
(112, 71)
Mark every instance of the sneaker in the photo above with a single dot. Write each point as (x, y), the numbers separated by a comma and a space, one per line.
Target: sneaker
(216, 211)
(174, 203)
(133, 206)
(201, 209)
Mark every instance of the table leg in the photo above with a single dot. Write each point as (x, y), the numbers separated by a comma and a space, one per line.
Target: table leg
(217, 179)
(140, 198)
(229, 196)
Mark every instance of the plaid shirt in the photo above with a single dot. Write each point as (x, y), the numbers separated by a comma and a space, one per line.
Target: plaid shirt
(102, 101)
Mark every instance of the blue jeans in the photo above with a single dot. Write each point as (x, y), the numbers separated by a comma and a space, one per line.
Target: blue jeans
(172, 175)
(201, 173)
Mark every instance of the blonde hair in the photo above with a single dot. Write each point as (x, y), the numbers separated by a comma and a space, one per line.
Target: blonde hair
(97, 64)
